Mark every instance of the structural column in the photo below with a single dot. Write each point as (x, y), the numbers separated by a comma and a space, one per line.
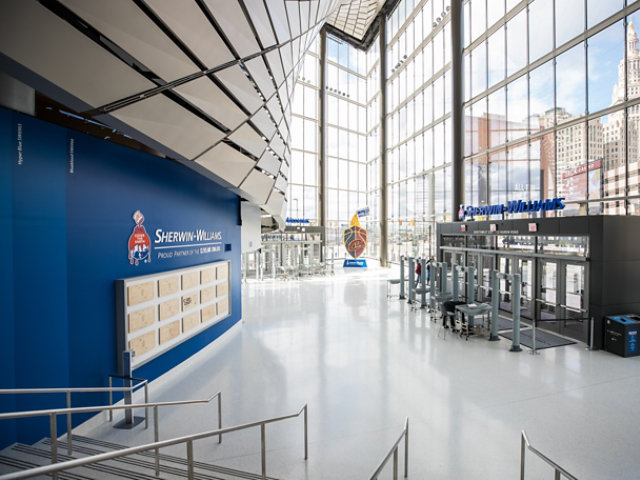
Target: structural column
(384, 226)
(457, 118)
(322, 140)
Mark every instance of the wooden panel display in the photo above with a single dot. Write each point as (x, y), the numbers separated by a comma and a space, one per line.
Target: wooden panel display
(190, 321)
(169, 332)
(144, 343)
(167, 286)
(207, 294)
(190, 280)
(208, 275)
(141, 319)
(156, 312)
(208, 313)
(169, 308)
(223, 307)
(140, 293)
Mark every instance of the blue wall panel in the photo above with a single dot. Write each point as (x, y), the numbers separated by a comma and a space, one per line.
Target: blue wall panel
(8, 155)
(72, 216)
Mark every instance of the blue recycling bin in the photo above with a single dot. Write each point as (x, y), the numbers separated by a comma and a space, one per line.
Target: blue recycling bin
(621, 334)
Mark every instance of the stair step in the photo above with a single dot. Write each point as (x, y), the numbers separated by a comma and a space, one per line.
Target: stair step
(135, 460)
(16, 460)
(171, 458)
(100, 470)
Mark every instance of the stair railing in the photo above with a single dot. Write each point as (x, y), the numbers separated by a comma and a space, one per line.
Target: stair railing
(525, 445)
(69, 391)
(53, 413)
(394, 451)
(188, 440)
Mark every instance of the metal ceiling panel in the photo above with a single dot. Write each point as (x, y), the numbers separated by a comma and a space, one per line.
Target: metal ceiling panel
(263, 122)
(194, 29)
(260, 19)
(258, 185)
(276, 203)
(247, 138)
(293, 11)
(281, 183)
(206, 95)
(235, 80)
(277, 145)
(275, 62)
(278, 14)
(261, 76)
(235, 25)
(269, 163)
(91, 74)
(227, 163)
(162, 119)
(132, 30)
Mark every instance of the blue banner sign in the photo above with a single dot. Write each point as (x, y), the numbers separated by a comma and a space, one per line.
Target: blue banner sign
(515, 206)
(354, 262)
(297, 220)
(363, 212)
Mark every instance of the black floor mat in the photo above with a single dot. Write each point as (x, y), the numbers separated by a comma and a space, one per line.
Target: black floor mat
(543, 339)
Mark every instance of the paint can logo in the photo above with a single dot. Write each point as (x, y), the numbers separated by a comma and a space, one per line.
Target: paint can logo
(139, 242)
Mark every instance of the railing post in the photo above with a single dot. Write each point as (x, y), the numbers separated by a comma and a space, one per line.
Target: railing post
(406, 450)
(190, 459)
(220, 416)
(110, 398)
(146, 400)
(263, 451)
(522, 451)
(395, 463)
(306, 441)
(156, 438)
(69, 450)
(53, 433)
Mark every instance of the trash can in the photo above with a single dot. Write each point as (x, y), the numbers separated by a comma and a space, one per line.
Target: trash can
(621, 334)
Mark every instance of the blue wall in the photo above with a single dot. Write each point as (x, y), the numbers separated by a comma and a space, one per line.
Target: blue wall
(70, 205)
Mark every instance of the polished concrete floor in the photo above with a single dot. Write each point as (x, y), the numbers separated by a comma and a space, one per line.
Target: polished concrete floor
(363, 363)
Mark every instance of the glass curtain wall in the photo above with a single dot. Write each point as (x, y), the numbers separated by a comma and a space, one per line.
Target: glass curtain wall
(304, 174)
(346, 138)
(374, 187)
(418, 125)
(551, 92)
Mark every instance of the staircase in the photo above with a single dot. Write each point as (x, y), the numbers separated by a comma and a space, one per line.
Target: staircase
(139, 466)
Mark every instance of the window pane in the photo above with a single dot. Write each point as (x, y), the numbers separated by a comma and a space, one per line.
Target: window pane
(496, 118)
(478, 18)
(496, 53)
(517, 109)
(569, 20)
(570, 81)
(478, 69)
(516, 43)
(605, 51)
(571, 164)
(540, 28)
(541, 97)
(598, 10)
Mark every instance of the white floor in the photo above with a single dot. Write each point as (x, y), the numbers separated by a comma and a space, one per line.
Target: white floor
(363, 363)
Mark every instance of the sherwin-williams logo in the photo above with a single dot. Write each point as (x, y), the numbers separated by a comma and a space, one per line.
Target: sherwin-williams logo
(516, 206)
(139, 242)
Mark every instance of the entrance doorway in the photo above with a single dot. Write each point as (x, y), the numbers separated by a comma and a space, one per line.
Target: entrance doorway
(561, 297)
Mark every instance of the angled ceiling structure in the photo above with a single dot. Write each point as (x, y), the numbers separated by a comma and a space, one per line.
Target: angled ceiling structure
(208, 83)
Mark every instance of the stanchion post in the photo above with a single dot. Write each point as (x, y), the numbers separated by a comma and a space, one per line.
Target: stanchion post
(515, 309)
(454, 282)
(495, 306)
(411, 282)
(402, 293)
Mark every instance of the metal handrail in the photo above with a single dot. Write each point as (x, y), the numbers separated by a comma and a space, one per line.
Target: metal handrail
(394, 451)
(524, 445)
(188, 439)
(69, 390)
(53, 413)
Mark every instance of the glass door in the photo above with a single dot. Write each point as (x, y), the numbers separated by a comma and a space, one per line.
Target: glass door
(574, 302)
(547, 298)
(526, 269)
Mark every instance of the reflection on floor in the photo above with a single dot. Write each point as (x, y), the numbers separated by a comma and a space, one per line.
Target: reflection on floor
(363, 363)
